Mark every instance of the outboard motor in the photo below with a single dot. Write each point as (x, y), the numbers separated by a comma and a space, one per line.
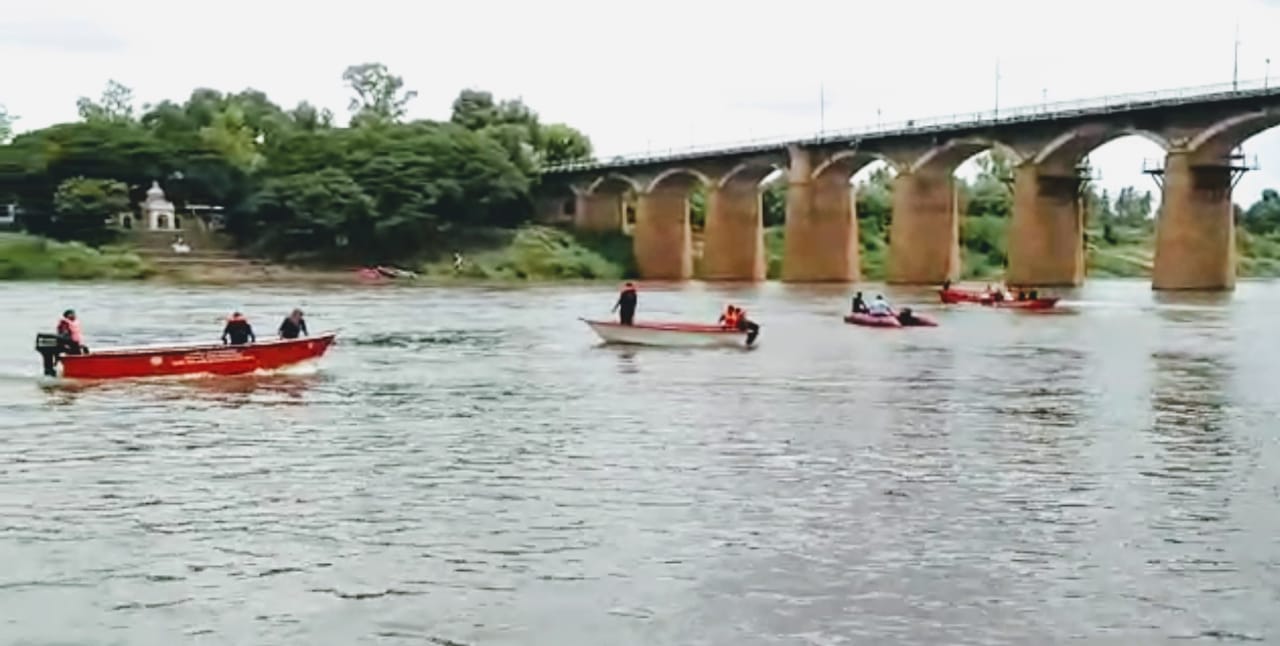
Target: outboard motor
(50, 348)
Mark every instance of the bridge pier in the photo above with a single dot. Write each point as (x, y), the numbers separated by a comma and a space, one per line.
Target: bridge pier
(598, 212)
(924, 235)
(1046, 233)
(821, 243)
(662, 240)
(1195, 230)
(734, 243)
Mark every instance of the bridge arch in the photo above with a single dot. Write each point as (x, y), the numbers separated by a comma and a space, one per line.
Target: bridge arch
(947, 156)
(751, 172)
(1065, 151)
(848, 163)
(672, 178)
(612, 183)
(1221, 138)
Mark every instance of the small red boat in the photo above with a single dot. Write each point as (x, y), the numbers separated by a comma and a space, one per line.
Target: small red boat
(190, 359)
(869, 320)
(951, 296)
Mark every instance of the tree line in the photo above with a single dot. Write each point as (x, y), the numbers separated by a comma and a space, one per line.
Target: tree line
(291, 180)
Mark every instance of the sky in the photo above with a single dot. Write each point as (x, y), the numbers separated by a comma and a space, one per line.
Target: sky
(660, 74)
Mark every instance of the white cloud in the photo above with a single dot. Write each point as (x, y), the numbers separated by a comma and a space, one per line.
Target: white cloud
(654, 75)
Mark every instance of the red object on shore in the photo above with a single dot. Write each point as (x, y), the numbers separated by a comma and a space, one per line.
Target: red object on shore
(207, 358)
(952, 296)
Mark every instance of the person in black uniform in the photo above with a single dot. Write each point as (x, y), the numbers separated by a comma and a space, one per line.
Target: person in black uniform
(626, 305)
(238, 331)
(293, 325)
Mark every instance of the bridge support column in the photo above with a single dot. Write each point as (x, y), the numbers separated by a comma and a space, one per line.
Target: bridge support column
(821, 243)
(734, 244)
(662, 240)
(924, 235)
(598, 212)
(1195, 230)
(1046, 234)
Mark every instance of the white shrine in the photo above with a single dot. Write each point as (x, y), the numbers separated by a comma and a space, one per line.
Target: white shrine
(157, 211)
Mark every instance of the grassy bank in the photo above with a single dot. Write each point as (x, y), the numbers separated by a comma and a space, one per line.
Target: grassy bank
(538, 253)
(24, 257)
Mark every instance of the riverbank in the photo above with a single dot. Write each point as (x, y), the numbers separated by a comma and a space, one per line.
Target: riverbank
(548, 254)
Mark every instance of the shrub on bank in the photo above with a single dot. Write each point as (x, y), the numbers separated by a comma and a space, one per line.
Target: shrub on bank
(30, 257)
(544, 253)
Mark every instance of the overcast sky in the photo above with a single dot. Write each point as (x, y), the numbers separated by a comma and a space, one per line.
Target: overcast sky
(657, 74)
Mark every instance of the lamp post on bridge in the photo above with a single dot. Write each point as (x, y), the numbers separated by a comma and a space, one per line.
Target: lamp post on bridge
(997, 110)
(1266, 74)
(1235, 61)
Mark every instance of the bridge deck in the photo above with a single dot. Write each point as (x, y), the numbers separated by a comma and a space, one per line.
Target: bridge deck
(1044, 112)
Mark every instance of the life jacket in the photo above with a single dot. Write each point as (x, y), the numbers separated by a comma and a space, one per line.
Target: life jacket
(71, 328)
(237, 319)
(731, 318)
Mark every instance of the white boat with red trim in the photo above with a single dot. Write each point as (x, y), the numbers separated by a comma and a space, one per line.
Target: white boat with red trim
(687, 335)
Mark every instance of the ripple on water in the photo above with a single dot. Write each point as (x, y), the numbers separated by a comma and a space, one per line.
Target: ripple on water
(1103, 475)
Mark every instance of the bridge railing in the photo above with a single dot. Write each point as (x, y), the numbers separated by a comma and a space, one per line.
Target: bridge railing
(1042, 111)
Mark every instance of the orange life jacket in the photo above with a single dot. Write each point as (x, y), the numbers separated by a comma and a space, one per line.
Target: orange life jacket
(70, 328)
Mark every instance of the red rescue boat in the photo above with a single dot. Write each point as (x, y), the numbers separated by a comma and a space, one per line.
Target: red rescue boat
(188, 359)
(952, 296)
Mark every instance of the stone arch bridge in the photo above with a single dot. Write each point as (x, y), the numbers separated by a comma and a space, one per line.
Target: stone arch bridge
(1195, 241)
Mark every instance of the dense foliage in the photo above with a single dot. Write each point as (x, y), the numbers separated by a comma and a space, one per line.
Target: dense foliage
(291, 181)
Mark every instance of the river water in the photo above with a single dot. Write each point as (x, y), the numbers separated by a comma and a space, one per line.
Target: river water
(468, 466)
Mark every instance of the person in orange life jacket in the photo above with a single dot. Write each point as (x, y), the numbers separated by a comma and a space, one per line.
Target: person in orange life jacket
(238, 331)
(69, 334)
(729, 317)
(626, 305)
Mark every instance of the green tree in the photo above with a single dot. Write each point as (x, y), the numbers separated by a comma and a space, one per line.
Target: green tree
(6, 125)
(83, 207)
(990, 194)
(558, 143)
(380, 95)
(1263, 216)
(115, 105)
(1132, 209)
(773, 203)
(316, 211)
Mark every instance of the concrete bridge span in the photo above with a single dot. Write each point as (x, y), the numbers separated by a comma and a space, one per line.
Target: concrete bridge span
(1195, 243)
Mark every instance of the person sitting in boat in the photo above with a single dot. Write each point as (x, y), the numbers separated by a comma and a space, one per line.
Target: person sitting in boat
(238, 331)
(744, 324)
(997, 295)
(69, 336)
(880, 307)
(729, 318)
(907, 317)
(946, 284)
(859, 304)
(293, 325)
(626, 305)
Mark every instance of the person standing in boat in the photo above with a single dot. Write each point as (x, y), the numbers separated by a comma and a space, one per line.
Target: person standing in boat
(293, 325)
(626, 305)
(238, 331)
(69, 335)
(859, 304)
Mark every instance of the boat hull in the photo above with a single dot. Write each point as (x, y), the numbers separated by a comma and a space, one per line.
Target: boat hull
(160, 361)
(867, 320)
(953, 296)
(684, 335)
